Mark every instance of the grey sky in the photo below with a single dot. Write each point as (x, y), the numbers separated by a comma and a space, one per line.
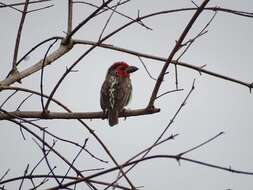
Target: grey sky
(214, 106)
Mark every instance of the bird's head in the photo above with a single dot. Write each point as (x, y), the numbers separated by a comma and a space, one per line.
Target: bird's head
(121, 69)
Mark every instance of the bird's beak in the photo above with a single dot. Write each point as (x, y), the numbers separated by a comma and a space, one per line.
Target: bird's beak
(131, 69)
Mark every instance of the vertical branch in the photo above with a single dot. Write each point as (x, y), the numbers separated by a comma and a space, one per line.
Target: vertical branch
(173, 52)
(42, 76)
(21, 24)
(70, 17)
(69, 36)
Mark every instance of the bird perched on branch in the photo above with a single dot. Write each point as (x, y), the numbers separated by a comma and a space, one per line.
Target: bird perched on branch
(116, 90)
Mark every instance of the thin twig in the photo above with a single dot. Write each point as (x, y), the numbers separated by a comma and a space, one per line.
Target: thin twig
(73, 161)
(199, 69)
(175, 157)
(21, 24)
(189, 43)
(145, 67)
(25, 173)
(171, 137)
(42, 75)
(201, 33)
(20, 4)
(173, 52)
(5, 5)
(39, 9)
(46, 144)
(168, 92)
(38, 45)
(43, 149)
(8, 98)
(110, 8)
(54, 136)
(157, 141)
(176, 75)
(23, 101)
(22, 133)
(4, 175)
(108, 20)
(69, 36)
(64, 49)
(201, 144)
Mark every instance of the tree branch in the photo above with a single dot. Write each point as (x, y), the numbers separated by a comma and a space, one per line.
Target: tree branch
(200, 69)
(74, 115)
(37, 66)
(173, 52)
(21, 24)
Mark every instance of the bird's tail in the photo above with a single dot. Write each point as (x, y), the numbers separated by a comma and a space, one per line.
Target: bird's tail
(113, 117)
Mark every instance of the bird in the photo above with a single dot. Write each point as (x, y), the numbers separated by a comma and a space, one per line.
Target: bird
(116, 90)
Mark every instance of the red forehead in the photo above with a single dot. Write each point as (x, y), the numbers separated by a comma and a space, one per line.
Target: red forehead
(119, 64)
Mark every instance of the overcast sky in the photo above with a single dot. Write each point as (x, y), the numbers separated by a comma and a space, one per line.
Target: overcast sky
(214, 106)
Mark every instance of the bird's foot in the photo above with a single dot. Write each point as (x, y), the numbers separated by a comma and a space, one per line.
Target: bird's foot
(124, 113)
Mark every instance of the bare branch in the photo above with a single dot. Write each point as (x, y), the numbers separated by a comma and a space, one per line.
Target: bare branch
(21, 24)
(73, 161)
(70, 16)
(112, 7)
(69, 36)
(38, 45)
(175, 157)
(201, 33)
(200, 145)
(142, 62)
(46, 144)
(39, 9)
(200, 69)
(8, 98)
(158, 140)
(20, 4)
(46, 153)
(5, 5)
(4, 175)
(42, 75)
(108, 20)
(173, 52)
(36, 67)
(25, 173)
(23, 101)
(168, 92)
(75, 115)
(17, 77)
